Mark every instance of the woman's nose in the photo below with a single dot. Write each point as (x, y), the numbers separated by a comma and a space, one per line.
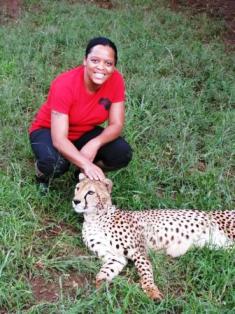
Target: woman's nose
(100, 65)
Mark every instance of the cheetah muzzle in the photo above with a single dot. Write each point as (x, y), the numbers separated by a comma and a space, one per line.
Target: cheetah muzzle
(117, 236)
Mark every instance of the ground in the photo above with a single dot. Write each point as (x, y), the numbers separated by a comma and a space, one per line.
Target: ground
(49, 288)
(225, 9)
(44, 290)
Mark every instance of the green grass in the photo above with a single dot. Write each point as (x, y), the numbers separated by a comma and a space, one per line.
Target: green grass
(179, 115)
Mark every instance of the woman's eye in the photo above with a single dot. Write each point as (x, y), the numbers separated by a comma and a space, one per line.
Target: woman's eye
(94, 60)
(109, 64)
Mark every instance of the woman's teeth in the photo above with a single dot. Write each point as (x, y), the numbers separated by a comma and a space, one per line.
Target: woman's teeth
(99, 75)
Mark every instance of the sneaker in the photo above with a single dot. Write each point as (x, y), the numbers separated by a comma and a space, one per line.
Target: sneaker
(42, 181)
(43, 188)
(38, 173)
(42, 185)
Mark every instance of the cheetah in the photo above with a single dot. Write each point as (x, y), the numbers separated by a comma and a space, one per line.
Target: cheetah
(117, 236)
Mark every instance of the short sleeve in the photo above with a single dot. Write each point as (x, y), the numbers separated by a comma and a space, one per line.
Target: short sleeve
(119, 88)
(60, 97)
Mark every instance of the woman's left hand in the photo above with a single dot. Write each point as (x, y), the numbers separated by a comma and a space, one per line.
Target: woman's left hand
(111, 132)
(90, 149)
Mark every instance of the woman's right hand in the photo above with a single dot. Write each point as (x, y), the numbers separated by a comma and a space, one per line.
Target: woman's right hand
(93, 172)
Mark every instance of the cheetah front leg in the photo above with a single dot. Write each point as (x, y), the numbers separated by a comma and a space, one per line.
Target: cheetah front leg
(112, 267)
(145, 272)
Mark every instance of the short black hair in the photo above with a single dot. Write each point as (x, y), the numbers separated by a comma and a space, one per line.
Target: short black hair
(104, 42)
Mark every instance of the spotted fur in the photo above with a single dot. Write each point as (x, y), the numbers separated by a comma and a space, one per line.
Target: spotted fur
(117, 236)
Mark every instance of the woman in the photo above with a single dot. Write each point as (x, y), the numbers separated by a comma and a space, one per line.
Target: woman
(66, 128)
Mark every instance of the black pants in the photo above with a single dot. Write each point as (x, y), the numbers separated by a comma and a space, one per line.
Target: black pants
(114, 155)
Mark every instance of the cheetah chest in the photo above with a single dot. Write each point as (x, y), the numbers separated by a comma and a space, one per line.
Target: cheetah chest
(99, 240)
(110, 235)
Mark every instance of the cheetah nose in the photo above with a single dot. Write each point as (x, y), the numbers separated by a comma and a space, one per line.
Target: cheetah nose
(76, 202)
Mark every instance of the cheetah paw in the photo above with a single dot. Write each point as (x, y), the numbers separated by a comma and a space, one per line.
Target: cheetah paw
(153, 293)
(99, 282)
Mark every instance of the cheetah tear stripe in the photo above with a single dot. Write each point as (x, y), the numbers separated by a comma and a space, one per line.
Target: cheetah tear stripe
(116, 236)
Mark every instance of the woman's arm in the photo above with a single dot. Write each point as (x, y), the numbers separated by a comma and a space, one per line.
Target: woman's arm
(59, 133)
(111, 132)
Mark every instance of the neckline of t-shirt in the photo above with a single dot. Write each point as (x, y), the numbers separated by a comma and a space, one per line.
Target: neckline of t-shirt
(91, 94)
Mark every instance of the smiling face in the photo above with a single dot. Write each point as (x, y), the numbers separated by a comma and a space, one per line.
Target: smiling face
(99, 66)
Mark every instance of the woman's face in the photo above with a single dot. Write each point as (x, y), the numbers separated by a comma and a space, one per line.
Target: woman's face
(99, 66)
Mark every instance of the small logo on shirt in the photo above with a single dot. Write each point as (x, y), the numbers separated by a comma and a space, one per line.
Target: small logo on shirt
(105, 102)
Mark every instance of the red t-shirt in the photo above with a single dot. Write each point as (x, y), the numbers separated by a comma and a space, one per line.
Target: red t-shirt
(68, 95)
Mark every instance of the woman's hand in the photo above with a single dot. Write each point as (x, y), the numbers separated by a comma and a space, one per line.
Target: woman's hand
(90, 149)
(93, 172)
(83, 160)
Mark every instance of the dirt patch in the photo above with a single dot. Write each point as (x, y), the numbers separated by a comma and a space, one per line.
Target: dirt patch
(105, 4)
(224, 9)
(65, 284)
(57, 238)
(49, 283)
(200, 166)
(9, 9)
(53, 228)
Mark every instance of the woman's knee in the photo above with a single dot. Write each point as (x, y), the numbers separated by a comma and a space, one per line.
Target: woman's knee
(117, 154)
(124, 156)
(127, 157)
(51, 167)
(49, 162)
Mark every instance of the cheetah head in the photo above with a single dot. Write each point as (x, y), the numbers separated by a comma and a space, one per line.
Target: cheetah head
(92, 196)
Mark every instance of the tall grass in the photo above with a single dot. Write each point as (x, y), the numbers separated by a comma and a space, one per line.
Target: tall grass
(180, 122)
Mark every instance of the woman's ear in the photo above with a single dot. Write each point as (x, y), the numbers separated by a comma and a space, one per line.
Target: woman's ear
(84, 62)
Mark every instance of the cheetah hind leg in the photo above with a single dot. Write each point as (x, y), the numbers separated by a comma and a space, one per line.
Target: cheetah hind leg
(145, 272)
(111, 268)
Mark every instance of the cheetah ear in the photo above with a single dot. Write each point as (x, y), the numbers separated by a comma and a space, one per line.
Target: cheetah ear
(81, 176)
(109, 184)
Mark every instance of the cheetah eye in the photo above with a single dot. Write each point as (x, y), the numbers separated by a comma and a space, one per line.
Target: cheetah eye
(90, 192)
